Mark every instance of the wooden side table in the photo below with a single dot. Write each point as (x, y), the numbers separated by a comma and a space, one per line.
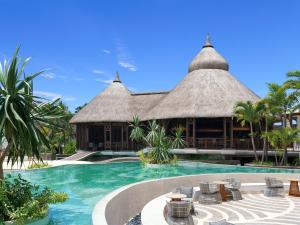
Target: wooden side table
(294, 188)
(223, 192)
(175, 196)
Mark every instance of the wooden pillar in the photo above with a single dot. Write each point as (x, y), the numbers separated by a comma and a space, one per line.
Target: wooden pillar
(224, 132)
(187, 132)
(110, 131)
(194, 132)
(127, 137)
(122, 135)
(231, 132)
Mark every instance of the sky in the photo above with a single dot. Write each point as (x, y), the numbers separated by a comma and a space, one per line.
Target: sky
(81, 44)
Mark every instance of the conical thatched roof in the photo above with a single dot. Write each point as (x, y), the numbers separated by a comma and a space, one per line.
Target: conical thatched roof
(208, 90)
(208, 58)
(111, 105)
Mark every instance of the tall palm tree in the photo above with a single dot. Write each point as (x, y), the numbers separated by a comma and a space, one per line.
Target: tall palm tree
(293, 81)
(266, 117)
(282, 102)
(22, 115)
(247, 112)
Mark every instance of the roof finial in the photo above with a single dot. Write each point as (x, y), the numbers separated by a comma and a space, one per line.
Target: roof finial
(207, 41)
(117, 78)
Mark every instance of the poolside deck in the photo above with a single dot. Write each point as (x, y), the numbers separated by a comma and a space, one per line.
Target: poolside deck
(254, 209)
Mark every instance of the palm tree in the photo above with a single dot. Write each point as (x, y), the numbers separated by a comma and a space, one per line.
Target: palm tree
(282, 102)
(281, 139)
(293, 81)
(247, 112)
(22, 115)
(267, 118)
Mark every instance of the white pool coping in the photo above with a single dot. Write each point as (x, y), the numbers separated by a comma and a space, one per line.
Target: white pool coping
(153, 211)
(124, 203)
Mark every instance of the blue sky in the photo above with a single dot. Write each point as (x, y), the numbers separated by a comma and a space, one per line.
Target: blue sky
(151, 43)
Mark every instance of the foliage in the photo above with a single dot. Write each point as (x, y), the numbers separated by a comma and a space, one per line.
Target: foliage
(23, 116)
(61, 133)
(247, 112)
(22, 201)
(77, 109)
(156, 138)
(265, 163)
(137, 132)
(281, 139)
(38, 165)
(70, 147)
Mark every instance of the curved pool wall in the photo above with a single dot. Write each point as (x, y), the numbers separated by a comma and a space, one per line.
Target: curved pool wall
(135, 196)
(89, 183)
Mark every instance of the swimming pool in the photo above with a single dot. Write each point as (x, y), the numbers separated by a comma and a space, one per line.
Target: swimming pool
(86, 184)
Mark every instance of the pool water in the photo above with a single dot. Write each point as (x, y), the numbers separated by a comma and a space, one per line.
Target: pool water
(87, 184)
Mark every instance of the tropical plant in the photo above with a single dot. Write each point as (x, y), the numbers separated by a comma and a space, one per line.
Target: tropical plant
(281, 139)
(293, 81)
(248, 112)
(156, 138)
(23, 116)
(282, 102)
(21, 201)
(70, 147)
(38, 165)
(61, 133)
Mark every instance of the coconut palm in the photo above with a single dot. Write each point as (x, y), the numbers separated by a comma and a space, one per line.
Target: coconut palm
(247, 112)
(293, 81)
(22, 115)
(282, 102)
(281, 139)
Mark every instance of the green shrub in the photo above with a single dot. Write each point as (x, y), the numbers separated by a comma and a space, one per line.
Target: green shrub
(70, 147)
(21, 201)
(38, 165)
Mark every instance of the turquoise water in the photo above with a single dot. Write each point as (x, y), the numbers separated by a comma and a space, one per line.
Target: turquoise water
(87, 184)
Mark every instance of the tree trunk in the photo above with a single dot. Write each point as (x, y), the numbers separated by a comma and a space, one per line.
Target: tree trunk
(285, 157)
(253, 143)
(265, 150)
(3, 153)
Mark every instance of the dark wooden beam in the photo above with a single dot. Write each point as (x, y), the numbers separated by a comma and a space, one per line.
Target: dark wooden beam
(194, 132)
(231, 133)
(224, 132)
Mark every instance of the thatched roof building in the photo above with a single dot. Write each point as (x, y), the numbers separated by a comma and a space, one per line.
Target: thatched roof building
(207, 91)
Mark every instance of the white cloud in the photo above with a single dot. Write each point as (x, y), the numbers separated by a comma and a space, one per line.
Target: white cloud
(69, 98)
(124, 58)
(48, 75)
(106, 51)
(96, 71)
(132, 89)
(128, 66)
(53, 95)
(108, 81)
(47, 94)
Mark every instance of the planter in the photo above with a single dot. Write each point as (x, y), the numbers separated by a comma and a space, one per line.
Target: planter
(40, 221)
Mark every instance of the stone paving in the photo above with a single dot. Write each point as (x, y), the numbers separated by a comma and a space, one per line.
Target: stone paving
(254, 209)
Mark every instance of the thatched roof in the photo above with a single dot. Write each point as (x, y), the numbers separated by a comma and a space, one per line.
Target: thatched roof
(111, 105)
(208, 58)
(208, 90)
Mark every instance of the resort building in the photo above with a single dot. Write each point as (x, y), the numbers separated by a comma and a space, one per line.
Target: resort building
(202, 103)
